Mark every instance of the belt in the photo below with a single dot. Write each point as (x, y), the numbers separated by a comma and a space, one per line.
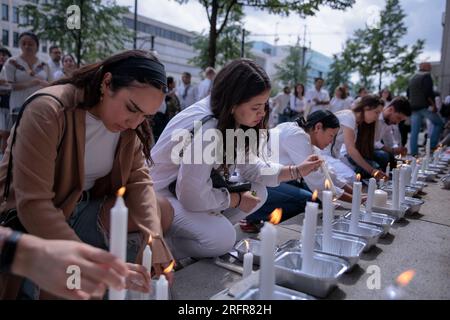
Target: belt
(85, 196)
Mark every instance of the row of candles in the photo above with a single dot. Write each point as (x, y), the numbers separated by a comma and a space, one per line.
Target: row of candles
(118, 247)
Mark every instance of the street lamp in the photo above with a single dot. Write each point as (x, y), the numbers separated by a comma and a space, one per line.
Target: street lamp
(135, 24)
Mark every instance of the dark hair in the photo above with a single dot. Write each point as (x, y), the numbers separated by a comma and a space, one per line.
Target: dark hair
(389, 98)
(401, 105)
(31, 35)
(53, 47)
(187, 74)
(366, 131)
(361, 90)
(170, 80)
(296, 91)
(228, 91)
(90, 78)
(287, 90)
(343, 92)
(317, 79)
(67, 55)
(5, 52)
(327, 118)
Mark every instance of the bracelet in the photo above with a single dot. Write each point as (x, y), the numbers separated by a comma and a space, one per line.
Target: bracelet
(299, 175)
(239, 202)
(9, 251)
(291, 171)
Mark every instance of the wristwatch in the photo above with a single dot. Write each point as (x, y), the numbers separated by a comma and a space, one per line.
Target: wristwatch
(8, 251)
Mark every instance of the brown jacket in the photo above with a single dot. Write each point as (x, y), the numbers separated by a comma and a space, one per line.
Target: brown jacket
(47, 184)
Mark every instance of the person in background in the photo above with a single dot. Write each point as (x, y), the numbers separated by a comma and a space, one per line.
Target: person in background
(386, 96)
(26, 73)
(204, 87)
(172, 101)
(318, 98)
(281, 105)
(55, 59)
(298, 101)
(339, 101)
(69, 66)
(186, 92)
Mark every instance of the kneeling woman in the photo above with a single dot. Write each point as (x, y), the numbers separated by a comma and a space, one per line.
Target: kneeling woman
(74, 145)
(238, 101)
(296, 143)
(357, 134)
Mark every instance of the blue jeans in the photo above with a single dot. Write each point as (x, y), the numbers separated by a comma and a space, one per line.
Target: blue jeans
(383, 158)
(416, 124)
(358, 169)
(291, 198)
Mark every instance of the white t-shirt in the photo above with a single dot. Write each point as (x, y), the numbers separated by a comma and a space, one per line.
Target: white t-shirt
(203, 89)
(321, 95)
(187, 95)
(346, 119)
(297, 104)
(99, 150)
(17, 70)
(281, 101)
(337, 104)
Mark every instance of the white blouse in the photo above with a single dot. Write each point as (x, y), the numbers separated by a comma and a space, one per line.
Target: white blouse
(194, 187)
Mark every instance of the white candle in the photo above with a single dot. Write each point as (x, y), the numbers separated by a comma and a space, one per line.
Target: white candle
(408, 175)
(402, 184)
(248, 264)
(308, 236)
(162, 288)
(326, 172)
(428, 148)
(380, 198)
(267, 266)
(413, 164)
(395, 191)
(118, 238)
(388, 170)
(370, 194)
(147, 258)
(356, 205)
(328, 208)
(415, 175)
(381, 183)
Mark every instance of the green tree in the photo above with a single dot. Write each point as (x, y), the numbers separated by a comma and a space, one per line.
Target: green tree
(228, 44)
(339, 73)
(376, 52)
(102, 31)
(219, 12)
(294, 68)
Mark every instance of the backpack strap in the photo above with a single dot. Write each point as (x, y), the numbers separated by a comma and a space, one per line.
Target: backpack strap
(13, 140)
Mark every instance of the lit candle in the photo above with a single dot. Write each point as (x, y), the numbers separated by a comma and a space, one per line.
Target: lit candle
(395, 189)
(328, 208)
(248, 264)
(370, 194)
(118, 237)
(267, 268)
(162, 288)
(415, 175)
(308, 236)
(382, 182)
(147, 258)
(325, 171)
(356, 204)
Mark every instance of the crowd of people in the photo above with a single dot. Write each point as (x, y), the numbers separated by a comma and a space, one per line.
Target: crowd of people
(122, 122)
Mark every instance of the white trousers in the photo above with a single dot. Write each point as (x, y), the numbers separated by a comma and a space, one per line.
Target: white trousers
(204, 234)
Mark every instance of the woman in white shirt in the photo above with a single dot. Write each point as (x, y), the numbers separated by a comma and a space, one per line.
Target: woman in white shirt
(300, 139)
(69, 66)
(26, 73)
(339, 101)
(298, 101)
(357, 134)
(182, 170)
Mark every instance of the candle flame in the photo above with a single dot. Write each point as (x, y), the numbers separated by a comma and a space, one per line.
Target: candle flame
(275, 216)
(407, 161)
(169, 267)
(247, 246)
(121, 192)
(358, 177)
(375, 174)
(150, 240)
(405, 278)
(315, 195)
(327, 184)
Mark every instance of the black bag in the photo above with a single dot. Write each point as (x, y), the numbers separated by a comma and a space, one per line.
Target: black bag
(9, 218)
(445, 110)
(218, 181)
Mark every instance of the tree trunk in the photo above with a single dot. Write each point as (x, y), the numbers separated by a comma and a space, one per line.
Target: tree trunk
(79, 41)
(212, 48)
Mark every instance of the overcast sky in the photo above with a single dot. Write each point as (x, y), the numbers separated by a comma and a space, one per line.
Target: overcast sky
(327, 30)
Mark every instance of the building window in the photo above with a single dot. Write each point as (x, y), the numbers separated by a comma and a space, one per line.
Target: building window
(5, 37)
(15, 39)
(15, 16)
(5, 12)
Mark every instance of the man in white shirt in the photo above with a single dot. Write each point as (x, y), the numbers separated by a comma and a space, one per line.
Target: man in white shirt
(204, 87)
(386, 141)
(318, 98)
(55, 59)
(281, 104)
(186, 91)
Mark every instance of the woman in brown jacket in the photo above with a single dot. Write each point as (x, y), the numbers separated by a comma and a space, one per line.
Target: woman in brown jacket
(77, 142)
